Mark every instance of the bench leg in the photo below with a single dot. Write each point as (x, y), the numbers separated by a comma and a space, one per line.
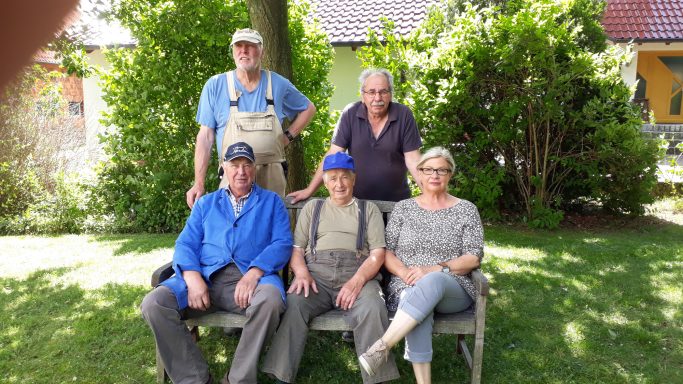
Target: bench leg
(478, 351)
(194, 331)
(458, 342)
(478, 354)
(161, 371)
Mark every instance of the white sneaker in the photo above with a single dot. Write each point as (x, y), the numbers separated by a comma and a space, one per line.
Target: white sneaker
(374, 357)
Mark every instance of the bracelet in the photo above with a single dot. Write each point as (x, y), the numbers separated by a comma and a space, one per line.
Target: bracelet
(289, 136)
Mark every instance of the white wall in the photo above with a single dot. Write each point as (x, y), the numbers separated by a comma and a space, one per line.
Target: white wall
(344, 76)
(93, 106)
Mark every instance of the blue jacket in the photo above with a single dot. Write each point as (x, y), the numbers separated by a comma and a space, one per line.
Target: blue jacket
(212, 238)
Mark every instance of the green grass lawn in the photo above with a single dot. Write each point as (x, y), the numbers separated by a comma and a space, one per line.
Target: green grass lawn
(566, 306)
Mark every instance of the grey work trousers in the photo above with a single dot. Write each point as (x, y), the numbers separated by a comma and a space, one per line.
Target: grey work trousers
(368, 316)
(181, 355)
(435, 292)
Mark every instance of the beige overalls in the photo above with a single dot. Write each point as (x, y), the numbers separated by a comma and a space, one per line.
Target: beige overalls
(261, 130)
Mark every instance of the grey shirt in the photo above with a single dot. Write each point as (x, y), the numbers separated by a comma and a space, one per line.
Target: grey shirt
(381, 172)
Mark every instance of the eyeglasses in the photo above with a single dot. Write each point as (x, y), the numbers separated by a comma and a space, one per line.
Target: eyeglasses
(381, 92)
(439, 171)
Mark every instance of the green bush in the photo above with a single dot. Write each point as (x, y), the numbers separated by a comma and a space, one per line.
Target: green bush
(530, 101)
(37, 136)
(62, 211)
(153, 91)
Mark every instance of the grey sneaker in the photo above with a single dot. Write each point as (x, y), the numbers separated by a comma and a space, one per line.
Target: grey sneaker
(374, 357)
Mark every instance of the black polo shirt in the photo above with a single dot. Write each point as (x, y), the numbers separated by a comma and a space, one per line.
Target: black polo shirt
(380, 163)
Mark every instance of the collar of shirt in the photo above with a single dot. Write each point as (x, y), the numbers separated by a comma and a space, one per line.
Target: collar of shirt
(238, 203)
(353, 200)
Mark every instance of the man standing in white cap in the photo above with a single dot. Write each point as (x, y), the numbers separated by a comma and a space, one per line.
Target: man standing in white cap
(249, 104)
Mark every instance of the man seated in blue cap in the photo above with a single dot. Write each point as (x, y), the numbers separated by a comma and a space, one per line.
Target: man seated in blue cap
(226, 258)
(338, 251)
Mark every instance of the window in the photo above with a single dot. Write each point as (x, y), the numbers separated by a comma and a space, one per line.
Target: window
(641, 88)
(76, 108)
(675, 65)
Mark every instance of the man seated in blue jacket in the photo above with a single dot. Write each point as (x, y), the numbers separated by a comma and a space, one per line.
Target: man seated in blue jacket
(226, 258)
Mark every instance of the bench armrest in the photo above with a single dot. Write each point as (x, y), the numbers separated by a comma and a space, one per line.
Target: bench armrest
(481, 282)
(162, 273)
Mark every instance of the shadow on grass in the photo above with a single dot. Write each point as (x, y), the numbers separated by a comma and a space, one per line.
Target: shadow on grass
(585, 307)
(53, 333)
(137, 243)
(57, 334)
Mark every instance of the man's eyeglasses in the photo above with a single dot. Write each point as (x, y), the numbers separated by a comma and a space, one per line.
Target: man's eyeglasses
(381, 92)
(439, 171)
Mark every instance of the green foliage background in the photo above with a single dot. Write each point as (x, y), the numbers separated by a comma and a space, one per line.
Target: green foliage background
(530, 101)
(153, 92)
(38, 137)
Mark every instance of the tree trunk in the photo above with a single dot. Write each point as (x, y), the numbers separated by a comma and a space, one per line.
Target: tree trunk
(270, 18)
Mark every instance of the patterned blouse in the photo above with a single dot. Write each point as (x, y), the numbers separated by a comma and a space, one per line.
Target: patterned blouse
(421, 237)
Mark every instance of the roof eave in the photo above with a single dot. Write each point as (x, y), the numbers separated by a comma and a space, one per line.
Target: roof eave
(678, 40)
(92, 47)
(348, 43)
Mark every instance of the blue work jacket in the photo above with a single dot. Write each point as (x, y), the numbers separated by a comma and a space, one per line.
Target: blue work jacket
(213, 237)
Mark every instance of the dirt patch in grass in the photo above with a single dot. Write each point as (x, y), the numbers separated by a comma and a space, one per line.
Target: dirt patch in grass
(662, 213)
(608, 221)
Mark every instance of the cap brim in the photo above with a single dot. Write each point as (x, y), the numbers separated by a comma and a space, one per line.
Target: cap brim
(247, 39)
(237, 157)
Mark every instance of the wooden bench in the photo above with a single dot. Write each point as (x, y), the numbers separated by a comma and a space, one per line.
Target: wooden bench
(470, 322)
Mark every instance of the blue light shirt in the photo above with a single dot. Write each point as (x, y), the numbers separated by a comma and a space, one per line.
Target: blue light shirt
(214, 103)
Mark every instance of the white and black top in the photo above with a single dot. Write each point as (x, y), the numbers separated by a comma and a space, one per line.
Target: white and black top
(421, 237)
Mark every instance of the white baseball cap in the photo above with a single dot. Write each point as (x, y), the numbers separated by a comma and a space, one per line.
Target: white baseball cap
(247, 34)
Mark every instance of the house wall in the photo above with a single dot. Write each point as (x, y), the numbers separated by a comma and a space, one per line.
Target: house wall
(344, 75)
(93, 108)
(629, 70)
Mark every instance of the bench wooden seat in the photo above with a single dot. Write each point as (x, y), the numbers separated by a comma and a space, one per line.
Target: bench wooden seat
(470, 322)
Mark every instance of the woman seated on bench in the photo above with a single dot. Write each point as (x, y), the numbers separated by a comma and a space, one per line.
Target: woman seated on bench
(433, 241)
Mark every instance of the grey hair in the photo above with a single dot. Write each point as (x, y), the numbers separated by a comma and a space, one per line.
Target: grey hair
(352, 173)
(433, 153)
(376, 71)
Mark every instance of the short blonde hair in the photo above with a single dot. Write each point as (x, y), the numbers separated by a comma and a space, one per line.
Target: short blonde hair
(433, 153)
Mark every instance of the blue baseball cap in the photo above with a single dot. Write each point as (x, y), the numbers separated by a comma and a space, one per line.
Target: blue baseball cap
(239, 149)
(339, 160)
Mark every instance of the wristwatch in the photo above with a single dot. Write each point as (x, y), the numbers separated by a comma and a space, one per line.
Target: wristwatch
(289, 136)
(445, 268)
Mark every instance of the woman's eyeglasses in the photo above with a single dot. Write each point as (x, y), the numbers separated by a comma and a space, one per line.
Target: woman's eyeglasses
(439, 171)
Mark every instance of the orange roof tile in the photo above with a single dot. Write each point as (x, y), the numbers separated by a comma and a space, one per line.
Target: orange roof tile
(644, 20)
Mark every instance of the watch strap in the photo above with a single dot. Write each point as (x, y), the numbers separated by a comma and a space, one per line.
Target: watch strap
(289, 135)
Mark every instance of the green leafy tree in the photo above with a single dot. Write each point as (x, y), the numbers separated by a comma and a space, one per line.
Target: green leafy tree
(153, 92)
(532, 105)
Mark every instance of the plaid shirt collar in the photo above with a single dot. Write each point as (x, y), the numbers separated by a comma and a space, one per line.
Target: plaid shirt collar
(238, 203)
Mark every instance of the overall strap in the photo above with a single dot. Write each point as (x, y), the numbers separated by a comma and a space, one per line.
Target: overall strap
(360, 237)
(232, 92)
(315, 221)
(269, 91)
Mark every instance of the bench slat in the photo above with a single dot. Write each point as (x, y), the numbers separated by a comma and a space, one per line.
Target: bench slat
(456, 323)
